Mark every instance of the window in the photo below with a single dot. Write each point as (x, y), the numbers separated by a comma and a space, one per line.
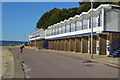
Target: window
(58, 30)
(78, 24)
(53, 31)
(65, 28)
(75, 25)
(89, 21)
(70, 27)
(61, 29)
(99, 20)
(82, 25)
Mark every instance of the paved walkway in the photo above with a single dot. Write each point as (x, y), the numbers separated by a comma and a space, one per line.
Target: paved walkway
(85, 56)
(46, 64)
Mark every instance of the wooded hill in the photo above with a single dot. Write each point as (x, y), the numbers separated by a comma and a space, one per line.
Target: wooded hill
(57, 15)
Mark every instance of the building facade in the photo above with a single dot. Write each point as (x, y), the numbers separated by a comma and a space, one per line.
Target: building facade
(74, 34)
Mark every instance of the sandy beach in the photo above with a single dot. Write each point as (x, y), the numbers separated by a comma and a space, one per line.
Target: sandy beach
(6, 62)
(0, 61)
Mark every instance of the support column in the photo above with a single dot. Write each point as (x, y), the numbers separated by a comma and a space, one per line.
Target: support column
(63, 41)
(50, 44)
(38, 44)
(102, 44)
(41, 44)
(68, 44)
(65, 44)
(94, 45)
(77, 44)
(32, 43)
(72, 44)
(61, 46)
(56, 44)
(84, 44)
(53, 44)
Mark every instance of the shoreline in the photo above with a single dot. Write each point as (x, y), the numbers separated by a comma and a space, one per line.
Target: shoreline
(11, 65)
(7, 63)
(0, 62)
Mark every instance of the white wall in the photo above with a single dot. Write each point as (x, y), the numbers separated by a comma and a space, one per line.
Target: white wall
(111, 20)
(80, 32)
(108, 22)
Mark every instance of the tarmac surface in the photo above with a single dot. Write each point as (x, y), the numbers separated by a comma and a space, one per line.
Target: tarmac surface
(44, 64)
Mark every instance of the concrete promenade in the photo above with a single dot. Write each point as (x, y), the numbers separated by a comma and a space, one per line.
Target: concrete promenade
(11, 66)
(49, 64)
(98, 58)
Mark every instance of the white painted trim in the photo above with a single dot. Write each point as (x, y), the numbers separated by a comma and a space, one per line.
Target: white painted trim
(103, 20)
(100, 29)
(97, 29)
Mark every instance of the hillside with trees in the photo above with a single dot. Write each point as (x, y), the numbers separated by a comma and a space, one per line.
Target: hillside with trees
(57, 15)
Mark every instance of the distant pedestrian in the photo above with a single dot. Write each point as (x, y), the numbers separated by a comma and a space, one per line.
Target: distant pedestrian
(21, 47)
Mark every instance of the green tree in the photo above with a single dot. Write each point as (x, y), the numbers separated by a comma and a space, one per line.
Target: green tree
(56, 15)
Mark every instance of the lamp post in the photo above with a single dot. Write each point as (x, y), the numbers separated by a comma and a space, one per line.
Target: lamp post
(91, 29)
(35, 39)
(24, 39)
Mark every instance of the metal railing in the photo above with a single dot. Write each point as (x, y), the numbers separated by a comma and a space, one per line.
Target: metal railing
(115, 45)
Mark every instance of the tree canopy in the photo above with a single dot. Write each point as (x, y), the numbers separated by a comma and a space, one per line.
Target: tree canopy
(57, 15)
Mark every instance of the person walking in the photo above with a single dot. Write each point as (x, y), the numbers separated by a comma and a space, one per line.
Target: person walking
(21, 47)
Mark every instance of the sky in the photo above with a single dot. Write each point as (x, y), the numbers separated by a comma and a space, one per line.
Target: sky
(19, 18)
(0, 20)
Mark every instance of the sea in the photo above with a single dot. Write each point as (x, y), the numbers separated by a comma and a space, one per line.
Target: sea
(11, 43)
